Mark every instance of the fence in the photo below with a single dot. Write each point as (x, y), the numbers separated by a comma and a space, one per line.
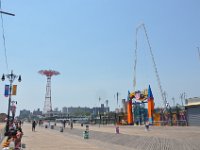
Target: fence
(170, 123)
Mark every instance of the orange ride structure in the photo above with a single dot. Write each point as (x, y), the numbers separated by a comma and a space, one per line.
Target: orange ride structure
(129, 110)
(145, 96)
(150, 105)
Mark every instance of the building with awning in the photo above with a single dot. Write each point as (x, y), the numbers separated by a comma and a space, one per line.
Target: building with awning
(192, 106)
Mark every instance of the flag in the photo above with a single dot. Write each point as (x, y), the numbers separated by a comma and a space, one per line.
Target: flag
(14, 90)
(6, 90)
(150, 95)
(128, 97)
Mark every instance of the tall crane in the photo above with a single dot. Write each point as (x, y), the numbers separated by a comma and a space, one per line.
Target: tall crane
(142, 26)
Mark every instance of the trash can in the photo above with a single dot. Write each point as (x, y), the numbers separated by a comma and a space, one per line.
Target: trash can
(61, 129)
(85, 134)
(52, 126)
(117, 130)
(146, 127)
(23, 145)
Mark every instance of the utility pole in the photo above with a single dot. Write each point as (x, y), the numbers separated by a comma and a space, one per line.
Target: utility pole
(7, 13)
(11, 77)
(3, 34)
(173, 99)
(182, 97)
(99, 111)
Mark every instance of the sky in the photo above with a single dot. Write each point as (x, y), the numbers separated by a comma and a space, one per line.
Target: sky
(92, 44)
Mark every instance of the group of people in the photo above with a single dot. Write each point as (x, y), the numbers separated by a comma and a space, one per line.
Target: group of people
(70, 123)
(13, 136)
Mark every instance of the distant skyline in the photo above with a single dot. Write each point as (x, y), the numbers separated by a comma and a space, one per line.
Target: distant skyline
(92, 42)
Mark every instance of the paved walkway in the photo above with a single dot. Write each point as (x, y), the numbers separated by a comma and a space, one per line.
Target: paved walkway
(48, 139)
(130, 137)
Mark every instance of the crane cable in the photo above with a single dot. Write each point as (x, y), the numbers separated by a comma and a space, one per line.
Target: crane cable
(4, 39)
(198, 52)
(154, 64)
(135, 61)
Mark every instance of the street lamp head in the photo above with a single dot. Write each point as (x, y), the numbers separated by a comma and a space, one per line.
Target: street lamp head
(3, 77)
(19, 79)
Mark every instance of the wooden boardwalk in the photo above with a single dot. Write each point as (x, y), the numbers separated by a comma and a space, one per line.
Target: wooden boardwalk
(105, 138)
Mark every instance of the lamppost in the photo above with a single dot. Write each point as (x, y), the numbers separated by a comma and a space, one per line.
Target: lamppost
(11, 77)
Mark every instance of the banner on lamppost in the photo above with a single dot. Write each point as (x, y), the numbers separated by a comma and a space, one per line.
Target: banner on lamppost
(6, 90)
(14, 90)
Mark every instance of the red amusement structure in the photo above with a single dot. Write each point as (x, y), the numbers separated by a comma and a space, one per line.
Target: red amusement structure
(47, 102)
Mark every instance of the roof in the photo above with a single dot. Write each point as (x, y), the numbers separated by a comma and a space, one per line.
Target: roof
(195, 101)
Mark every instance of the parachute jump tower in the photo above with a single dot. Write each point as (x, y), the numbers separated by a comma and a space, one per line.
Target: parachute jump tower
(47, 102)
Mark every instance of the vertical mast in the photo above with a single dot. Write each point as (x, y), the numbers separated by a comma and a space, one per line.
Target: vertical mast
(47, 102)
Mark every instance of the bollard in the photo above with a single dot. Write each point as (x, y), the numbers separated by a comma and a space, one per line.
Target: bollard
(117, 129)
(147, 126)
(87, 127)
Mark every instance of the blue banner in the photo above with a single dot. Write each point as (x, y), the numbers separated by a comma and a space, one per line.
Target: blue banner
(6, 90)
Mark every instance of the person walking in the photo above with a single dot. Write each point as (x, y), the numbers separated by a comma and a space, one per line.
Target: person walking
(71, 124)
(64, 123)
(33, 125)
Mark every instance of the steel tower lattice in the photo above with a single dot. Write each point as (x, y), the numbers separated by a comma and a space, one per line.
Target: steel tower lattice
(47, 102)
